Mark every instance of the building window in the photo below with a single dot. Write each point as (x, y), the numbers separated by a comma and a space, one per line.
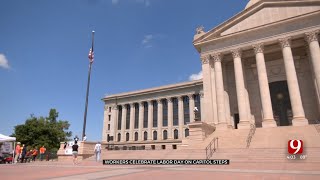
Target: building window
(165, 134)
(119, 117)
(197, 103)
(145, 135)
(108, 137)
(155, 135)
(109, 109)
(119, 137)
(136, 136)
(164, 113)
(108, 127)
(109, 117)
(127, 136)
(186, 108)
(155, 113)
(175, 134)
(186, 132)
(136, 116)
(128, 117)
(175, 112)
(145, 115)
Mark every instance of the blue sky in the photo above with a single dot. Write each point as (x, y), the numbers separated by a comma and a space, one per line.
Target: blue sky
(139, 44)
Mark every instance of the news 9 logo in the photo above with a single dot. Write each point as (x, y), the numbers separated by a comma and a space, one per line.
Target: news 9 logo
(295, 146)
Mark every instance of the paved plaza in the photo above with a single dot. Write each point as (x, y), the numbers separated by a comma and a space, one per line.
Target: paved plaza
(95, 171)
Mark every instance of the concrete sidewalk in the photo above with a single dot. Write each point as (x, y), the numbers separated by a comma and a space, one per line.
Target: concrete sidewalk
(94, 170)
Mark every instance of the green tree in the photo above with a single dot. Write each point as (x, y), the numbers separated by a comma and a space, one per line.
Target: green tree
(43, 131)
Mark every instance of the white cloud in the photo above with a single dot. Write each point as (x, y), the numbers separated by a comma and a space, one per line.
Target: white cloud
(194, 77)
(145, 2)
(115, 2)
(4, 62)
(147, 39)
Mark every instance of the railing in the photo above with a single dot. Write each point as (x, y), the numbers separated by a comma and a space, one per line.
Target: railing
(251, 133)
(210, 150)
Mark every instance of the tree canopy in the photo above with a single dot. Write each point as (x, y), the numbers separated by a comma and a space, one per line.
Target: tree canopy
(43, 131)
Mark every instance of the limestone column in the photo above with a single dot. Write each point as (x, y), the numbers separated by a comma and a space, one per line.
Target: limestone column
(222, 122)
(160, 119)
(312, 39)
(170, 118)
(180, 116)
(299, 118)
(240, 87)
(123, 123)
(191, 107)
(141, 109)
(268, 120)
(207, 89)
(113, 123)
(132, 116)
(150, 119)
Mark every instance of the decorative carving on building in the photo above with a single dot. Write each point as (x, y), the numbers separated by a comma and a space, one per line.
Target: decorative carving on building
(115, 107)
(217, 57)
(236, 53)
(169, 99)
(311, 36)
(159, 101)
(258, 48)
(205, 59)
(200, 30)
(201, 94)
(190, 96)
(285, 42)
(106, 108)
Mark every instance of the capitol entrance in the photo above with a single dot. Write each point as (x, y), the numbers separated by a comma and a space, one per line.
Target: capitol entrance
(281, 104)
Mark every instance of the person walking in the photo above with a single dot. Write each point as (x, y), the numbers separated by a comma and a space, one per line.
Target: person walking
(17, 152)
(42, 152)
(34, 154)
(75, 152)
(97, 150)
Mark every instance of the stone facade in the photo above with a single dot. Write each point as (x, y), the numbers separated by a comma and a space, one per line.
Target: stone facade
(260, 67)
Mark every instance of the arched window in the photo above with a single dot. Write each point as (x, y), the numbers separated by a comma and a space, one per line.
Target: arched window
(119, 137)
(145, 136)
(175, 111)
(136, 136)
(119, 117)
(165, 113)
(165, 134)
(155, 135)
(175, 134)
(127, 136)
(186, 132)
(186, 110)
(128, 117)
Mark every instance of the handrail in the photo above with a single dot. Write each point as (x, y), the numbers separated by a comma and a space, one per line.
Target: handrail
(209, 150)
(251, 133)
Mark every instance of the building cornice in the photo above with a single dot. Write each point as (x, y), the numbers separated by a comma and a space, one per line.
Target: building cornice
(159, 89)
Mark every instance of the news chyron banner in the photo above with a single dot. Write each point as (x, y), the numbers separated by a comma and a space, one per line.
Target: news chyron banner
(166, 161)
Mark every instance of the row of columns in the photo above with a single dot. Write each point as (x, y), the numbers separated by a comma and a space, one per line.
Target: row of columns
(242, 99)
(150, 117)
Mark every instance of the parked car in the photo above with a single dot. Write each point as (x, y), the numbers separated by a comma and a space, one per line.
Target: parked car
(6, 159)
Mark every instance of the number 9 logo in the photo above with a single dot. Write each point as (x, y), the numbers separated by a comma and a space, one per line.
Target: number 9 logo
(295, 146)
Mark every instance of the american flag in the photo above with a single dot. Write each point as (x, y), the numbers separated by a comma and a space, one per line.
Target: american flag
(91, 55)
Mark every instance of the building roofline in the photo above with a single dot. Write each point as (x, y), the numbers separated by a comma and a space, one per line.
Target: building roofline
(153, 90)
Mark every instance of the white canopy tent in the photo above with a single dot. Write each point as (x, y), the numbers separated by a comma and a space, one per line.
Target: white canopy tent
(4, 138)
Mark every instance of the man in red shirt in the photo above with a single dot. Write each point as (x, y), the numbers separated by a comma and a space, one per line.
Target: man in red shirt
(42, 151)
(17, 153)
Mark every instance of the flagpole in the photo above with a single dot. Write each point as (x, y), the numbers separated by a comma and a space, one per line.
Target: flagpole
(88, 87)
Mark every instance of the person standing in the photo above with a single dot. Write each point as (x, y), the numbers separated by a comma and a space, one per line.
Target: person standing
(42, 152)
(17, 152)
(75, 152)
(23, 153)
(34, 154)
(97, 150)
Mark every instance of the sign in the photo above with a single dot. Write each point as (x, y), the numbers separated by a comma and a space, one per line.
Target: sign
(166, 161)
(295, 146)
(7, 147)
